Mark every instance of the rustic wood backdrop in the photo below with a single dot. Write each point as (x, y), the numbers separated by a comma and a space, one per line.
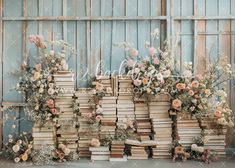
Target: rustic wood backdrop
(195, 28)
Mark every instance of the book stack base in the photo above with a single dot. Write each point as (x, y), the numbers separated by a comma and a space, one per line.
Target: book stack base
(99, 153)
(187, 129)
(44, 135)
(162, 128)
(138, 153)
(117, 151)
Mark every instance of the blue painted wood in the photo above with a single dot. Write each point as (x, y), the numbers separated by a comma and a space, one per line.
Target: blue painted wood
(106, 36)
(13, 8)
(118, 35)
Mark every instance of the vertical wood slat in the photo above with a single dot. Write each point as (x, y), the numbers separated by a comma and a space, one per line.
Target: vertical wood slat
(200, 48)
(1, 77)
(232, 84)
(88, 36)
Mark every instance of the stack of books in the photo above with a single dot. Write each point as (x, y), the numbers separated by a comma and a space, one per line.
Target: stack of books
(99, 153)
(143, 129)
(107, 83)
(215, 140)
(125, 104)
(67, 120)
(141, 110)
(87, 106)
(109, 105)
(44, 135)
(187, 129)
(138, 153)
(117, 151)
(162, 128)
(107, 128)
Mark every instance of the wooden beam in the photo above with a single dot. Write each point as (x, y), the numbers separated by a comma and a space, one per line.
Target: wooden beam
(227, 17)
(1, 73)
(86, 18)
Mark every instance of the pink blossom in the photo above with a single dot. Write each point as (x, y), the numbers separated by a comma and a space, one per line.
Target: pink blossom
(130, 63)
(134, 52)
(38, 67)
(155, 61)
(152, 51)
(49, 78)
(137, 82)
(50, 103)
(98, 118)
(32, 39)
(54, 111)
(199, 77)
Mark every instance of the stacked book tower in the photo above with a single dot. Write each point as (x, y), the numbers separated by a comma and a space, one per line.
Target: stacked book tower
(215, 139)
(138, 153)
(117, 151)
(67, 120)
(125, 104)
(187, 129)
(87, 106)
(162, 126)
(100, 153)
(44, 135)
(108, 122)
(143, 122)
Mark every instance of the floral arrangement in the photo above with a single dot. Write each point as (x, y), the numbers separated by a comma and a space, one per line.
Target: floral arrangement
(150, 74)
(204, 95)
(19, 149)
(61, 153)
(37, 83)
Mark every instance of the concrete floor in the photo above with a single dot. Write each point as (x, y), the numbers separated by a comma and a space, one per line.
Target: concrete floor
(227, 163)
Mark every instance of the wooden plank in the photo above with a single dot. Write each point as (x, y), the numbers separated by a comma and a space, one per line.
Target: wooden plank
(211, 27)
(200, 48)
(95, 38)
(93, 18)
(144, 29)
(176, 34)
(106, 36)
(1, 77)
(232, 84)
(118, 35)
(83, 42)
(187, 27)
(131, 26)
(47, 26)
(33, 8)
(156, 10)
(88, 37)
(13, 8)
(11, 123)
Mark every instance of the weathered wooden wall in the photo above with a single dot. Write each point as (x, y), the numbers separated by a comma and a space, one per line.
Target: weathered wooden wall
(194, 27)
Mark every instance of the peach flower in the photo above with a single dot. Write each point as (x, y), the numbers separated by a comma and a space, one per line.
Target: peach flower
(180, 86)
(24, 157)
(152, 51)
(145, 81)
(217, 114)
(155, 61)
(99, 86)
(207, 91)
(195, 84)
(191, 93)
(95, 142)
(176, 104)
(50, 103)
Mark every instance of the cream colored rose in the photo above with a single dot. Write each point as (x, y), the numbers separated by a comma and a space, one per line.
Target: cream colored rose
(176, 104)
(95, 142)
(16, 148)
(195, 84)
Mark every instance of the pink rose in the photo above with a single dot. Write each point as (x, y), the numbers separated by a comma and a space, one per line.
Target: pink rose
(137, 82)
(95, 142)
(155, 61)
(32, 39)
(38, 67)
(50, 103)
(98, 118)
(54, 111)
(134, 52)
(49, 78)
(130, 63)
(199, 77)
(152, 51)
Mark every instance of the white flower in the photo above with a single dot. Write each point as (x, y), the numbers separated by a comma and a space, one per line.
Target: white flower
(193, 146)
(136, 70)
(41, 90)
(65, 67)
(51, 85)
(66, 151)
(17, 159)
(51, 91)
(166, 73)
(187, 73)
(36, 107)
(52, 52)
(16, 148)
(159, 77)
(194, 101)
(63, 62)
